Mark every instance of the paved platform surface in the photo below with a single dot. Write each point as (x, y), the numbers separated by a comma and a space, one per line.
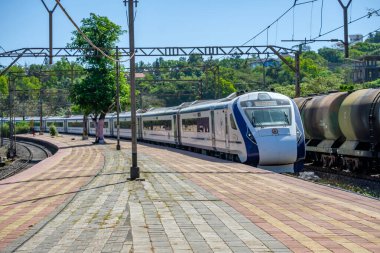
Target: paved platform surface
(81, 201)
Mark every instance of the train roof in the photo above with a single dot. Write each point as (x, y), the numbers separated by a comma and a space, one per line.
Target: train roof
(121, 114)
(55, 117)
(210, 104)
(161, 111)
(197, 105)
(75, 117)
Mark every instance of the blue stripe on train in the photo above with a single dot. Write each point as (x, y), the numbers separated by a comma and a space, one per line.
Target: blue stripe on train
(301, 150)
(250, 146)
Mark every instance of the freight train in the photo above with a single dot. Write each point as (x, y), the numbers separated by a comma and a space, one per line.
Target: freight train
(259, 128)
(342, 130)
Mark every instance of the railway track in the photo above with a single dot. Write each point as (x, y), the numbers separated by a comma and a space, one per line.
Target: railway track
(364, 184)
(27, 154)
(319, 169)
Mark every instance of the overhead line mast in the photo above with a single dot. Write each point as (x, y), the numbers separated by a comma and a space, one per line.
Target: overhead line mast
(50, 30)
(345, 18)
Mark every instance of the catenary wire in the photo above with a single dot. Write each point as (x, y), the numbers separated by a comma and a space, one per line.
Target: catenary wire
(353, 21)
(87, 39)
(320, 28)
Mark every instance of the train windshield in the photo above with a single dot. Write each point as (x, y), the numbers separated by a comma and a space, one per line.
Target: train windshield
(265, 117)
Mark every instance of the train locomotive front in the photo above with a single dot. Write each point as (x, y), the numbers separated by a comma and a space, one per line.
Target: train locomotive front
(271, 127)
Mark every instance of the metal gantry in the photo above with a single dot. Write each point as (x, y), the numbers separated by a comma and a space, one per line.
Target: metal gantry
(152, 51)
(281, 52)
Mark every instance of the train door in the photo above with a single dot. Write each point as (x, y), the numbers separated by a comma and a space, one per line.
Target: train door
(175, 129)
(139, 128)
(227, 139)
(112, 128)
(213, 129)
(179, 128)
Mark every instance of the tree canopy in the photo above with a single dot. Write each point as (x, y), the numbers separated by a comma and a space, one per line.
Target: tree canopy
(96, 92)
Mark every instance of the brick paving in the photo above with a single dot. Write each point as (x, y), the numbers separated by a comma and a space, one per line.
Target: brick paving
(80, 201)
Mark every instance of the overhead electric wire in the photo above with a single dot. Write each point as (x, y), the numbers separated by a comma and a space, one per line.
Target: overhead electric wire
(320, 28)
(294, 4)
(351, 10)
(371, 32)
(86, 38)
(353, 21)
(311, 19)
(294, 8)
(276, 21)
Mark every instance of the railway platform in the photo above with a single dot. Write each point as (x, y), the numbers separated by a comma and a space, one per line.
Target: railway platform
(80, 200)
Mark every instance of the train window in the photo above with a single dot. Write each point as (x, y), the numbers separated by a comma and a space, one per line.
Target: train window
(92, 124)
(158, 125)
(232, 121)
(123, 124)
(196, 125)
(264, 103)
(55, 123)
(262, 117)
(75, 124)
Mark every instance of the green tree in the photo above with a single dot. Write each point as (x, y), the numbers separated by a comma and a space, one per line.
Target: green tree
(3, 85)
(331, 54)
(373, 38)
(366, 47)
(95, 94)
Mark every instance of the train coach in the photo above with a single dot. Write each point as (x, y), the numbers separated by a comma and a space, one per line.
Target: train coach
(342, 129)
(58, 122)
(263, 129)
(259, 128)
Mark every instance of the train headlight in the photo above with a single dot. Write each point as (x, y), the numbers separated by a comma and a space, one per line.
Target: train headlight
(250, 136)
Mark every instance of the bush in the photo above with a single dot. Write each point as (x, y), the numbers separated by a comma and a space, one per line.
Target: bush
(53, 130)
(22, 127)
(5, 130)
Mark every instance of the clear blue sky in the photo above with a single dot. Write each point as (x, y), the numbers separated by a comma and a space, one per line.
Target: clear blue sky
(24, 23)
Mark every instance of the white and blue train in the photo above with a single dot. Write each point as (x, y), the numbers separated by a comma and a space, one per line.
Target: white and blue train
(259, 128)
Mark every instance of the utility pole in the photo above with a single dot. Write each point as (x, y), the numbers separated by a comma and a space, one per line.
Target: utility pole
(50, 30)
(215, 84)
(345, 16)
(200, 91)
(141, 98)
(298, 74)
(117, 98)
(12, 145)
(1, 130)
(135, 170)
(41, 133)
(1, 123)
(217, 81)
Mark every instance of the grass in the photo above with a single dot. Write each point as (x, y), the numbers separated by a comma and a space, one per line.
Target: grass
(366, 191)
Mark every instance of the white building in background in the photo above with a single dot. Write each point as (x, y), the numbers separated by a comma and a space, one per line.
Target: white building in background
(354, 38)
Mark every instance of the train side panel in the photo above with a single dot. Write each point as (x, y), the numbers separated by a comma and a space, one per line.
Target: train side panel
(196, 129)
(158, 128)
(106, 127)
(75, 126)
(58, 123)
(124, 127)
(221, 133)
